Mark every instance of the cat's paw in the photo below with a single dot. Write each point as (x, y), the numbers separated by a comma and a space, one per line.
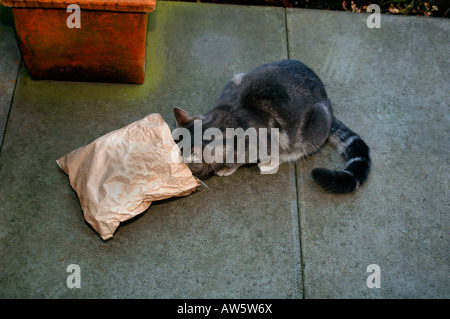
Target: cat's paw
(268, 168)
(226, 171)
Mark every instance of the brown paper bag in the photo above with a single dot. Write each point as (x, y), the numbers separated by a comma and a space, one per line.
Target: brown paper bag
(117, 176)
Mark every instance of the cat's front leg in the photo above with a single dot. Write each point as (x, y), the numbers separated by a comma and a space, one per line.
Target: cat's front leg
(269, 167)
(226, 171)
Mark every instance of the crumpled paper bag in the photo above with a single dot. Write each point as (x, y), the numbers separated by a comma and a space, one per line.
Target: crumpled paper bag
(119, 175)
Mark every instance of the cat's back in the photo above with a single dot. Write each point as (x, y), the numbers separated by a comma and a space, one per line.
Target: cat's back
(279, 84)
(291, 74)
(284, 68)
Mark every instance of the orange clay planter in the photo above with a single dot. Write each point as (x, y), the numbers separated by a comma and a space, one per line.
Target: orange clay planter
(108, 46)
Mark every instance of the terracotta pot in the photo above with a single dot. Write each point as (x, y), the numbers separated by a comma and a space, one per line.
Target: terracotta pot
(104, 41)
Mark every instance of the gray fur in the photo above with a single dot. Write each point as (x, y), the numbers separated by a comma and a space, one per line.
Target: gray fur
(286, 95)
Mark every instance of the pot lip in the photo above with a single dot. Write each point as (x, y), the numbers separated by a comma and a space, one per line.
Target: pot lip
(106, 5)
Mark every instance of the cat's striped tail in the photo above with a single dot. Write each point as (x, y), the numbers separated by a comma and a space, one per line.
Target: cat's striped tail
(357, 161)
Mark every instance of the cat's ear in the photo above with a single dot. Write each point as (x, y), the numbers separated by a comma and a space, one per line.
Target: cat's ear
(181, 117)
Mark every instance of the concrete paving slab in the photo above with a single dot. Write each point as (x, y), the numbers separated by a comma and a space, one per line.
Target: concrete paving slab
(391, 86)
(239, 240)
(9, 66)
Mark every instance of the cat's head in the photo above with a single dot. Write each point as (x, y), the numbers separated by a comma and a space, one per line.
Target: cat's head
(194, 159)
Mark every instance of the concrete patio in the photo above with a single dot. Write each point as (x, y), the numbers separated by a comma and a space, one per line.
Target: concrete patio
(251, 235)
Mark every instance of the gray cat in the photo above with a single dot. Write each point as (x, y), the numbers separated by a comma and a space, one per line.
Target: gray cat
(289, 96)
